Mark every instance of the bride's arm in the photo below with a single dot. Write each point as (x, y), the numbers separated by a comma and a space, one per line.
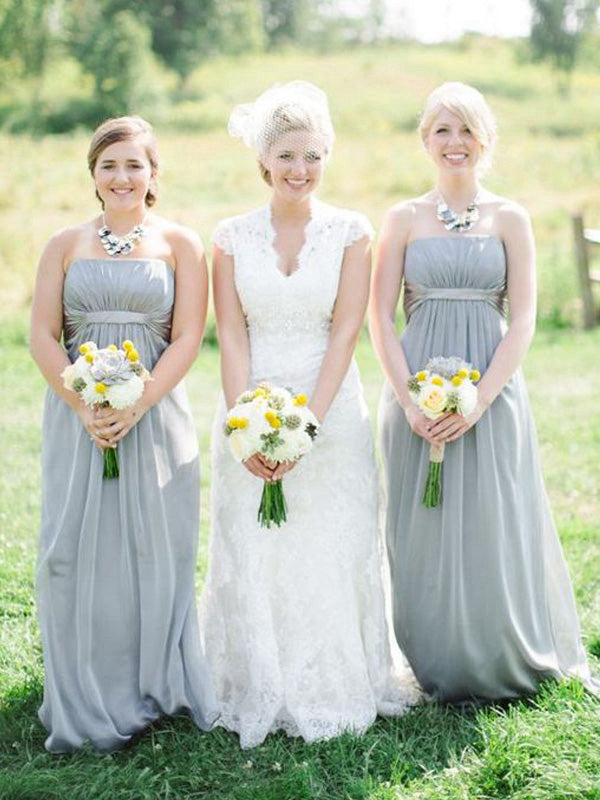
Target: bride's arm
(234, 347)
(515, 231)
(385, 292)
(348, 316)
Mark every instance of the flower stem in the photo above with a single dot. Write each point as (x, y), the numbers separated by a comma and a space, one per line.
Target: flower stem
(433, 485)
(111, 463)
(272, 509)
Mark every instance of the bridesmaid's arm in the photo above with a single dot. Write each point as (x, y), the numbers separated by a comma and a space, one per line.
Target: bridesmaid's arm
(348, 316)
(385, 292)
(515, 231)
(517, 235)
(46, 327)
(189, 317)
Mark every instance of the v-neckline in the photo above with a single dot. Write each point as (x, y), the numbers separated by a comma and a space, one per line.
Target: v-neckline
(276, 254)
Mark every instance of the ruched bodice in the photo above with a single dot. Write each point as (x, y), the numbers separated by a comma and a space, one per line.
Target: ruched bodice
(116, 292)
(458, 285)
(483, 606)
(116, 568)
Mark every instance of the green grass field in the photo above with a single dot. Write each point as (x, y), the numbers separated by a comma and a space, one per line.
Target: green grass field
(549, 158)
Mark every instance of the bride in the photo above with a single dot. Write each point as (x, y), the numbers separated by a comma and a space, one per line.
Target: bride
(293, 617)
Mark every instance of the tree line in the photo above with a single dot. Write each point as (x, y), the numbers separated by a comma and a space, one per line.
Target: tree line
(116, 42)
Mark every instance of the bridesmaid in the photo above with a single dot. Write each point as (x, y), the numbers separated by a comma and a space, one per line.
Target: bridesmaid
(483, 606)
(115, 579)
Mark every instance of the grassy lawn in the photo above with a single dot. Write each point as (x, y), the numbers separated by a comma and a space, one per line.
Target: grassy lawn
(549, 159)
(546, 749)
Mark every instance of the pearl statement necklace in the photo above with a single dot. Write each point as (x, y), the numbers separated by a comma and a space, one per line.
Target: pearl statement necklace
(457, 223)
(120, 245)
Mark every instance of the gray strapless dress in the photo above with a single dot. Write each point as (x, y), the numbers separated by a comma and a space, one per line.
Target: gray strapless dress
(115, 578)
(482, 602)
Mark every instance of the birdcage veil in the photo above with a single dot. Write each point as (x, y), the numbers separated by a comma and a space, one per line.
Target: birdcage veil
(283, 108)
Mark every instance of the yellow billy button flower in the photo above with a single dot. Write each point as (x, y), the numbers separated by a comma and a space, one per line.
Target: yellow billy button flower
(89, 357)
(133, 355)
(437, 381)
(101, 387)
(300, 400)
(475, 375)
(457, 379)
(421, 376)
(242, 423)
(260, 393)
(113, 347)
(83, 349)
(463, 373)
(128, 345)
(272, 419)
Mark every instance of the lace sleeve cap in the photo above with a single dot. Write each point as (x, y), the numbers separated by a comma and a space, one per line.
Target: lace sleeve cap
(222, 237)
(359, 226)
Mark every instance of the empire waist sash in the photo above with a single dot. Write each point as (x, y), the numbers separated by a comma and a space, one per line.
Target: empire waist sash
(159, 323)
(415, 295)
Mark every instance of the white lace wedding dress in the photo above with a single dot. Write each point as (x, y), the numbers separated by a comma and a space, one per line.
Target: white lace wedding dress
(293, 618)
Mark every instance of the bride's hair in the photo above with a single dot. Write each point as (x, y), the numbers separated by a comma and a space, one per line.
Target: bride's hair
(471, 107)
(125, 129)
(295, 106)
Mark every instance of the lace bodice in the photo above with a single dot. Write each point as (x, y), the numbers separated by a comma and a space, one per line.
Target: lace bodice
(289, 317)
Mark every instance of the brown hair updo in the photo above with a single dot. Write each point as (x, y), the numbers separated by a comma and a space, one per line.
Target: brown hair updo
(124, 129)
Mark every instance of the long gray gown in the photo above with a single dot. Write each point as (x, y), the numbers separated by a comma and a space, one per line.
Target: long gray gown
(115, 578)
(482, 601)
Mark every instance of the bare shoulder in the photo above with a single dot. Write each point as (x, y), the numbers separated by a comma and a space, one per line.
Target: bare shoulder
(403, 214)
(511, 216)
(63, 243)
(182, 240)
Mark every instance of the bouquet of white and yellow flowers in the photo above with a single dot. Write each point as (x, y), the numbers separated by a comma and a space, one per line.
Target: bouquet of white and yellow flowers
(446, 385)
(278, 424)
(108, 377)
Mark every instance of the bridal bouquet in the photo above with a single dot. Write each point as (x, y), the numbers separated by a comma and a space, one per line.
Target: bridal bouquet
(110, 377)
(446, 385)
(278, 424)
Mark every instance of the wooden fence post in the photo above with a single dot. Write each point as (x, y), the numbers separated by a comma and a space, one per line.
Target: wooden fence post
(583, 271)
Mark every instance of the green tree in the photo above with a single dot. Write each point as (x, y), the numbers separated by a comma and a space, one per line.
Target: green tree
(26, 35)
(558, 28)
(286, 21)
(118, 57)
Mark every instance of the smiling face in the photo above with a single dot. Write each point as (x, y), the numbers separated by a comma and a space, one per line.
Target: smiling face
(452, 145)
(123, 174)
(295, 164)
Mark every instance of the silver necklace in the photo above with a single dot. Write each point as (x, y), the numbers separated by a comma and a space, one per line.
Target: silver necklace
(457, 223)
(120, 245)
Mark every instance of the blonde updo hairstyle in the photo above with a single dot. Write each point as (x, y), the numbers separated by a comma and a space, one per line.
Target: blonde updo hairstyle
(126, 129)
(470, 106)
(286, 118)
(284, 108)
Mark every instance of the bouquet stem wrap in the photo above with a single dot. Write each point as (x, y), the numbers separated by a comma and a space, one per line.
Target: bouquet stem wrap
(272, 509)
(433, 484)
